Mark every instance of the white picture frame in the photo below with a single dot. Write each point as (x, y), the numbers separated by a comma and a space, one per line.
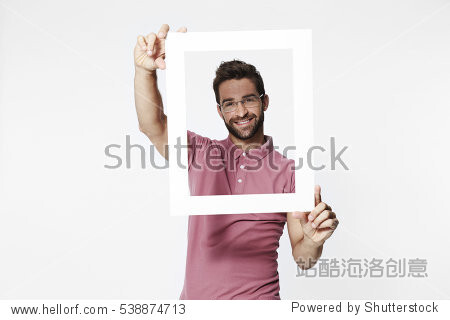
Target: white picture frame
(177, 44)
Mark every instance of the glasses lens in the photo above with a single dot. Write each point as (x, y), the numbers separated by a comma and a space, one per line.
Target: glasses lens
(228, 106)
(251, 102)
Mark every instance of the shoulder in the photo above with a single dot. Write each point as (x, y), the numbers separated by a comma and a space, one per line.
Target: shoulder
(287, 166)
(197, 139)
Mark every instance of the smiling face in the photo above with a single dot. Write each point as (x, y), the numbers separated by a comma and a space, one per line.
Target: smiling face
(243, 123)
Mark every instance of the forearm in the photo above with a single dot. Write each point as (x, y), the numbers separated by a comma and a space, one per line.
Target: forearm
(306, 253)
(149, 106)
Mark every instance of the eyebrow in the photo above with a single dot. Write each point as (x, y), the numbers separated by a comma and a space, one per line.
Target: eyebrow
(246, 96)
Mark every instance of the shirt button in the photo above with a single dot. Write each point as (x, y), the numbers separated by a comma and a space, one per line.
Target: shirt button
(242, 166)
(244, 154)
(239, 180)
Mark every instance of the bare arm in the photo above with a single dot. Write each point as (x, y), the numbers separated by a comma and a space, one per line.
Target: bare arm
(304, 251)
(149, 108)
(149, 55)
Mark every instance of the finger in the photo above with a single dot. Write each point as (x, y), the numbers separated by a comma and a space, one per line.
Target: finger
(317, 196)
(317, 210)
(142, 43)
(163, 31)
(151, 38)
(182, 29)
(302, 216)
(326, 214)
(329, 223)
(160, 63)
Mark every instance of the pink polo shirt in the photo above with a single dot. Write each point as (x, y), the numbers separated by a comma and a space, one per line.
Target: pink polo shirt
(234, 256)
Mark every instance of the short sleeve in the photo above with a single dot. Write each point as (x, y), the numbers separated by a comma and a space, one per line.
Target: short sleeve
(196, 143)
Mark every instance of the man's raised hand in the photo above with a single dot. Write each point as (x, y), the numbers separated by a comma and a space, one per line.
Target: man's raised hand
(149, 52)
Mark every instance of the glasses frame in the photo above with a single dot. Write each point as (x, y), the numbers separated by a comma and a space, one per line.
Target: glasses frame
(237, 103)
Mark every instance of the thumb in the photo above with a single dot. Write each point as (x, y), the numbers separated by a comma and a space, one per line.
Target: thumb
(302, 216)
(317, 196)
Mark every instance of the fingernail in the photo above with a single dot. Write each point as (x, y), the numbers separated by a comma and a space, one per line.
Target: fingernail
(160, 34)
(313, 225)
(149, 52)
(310, 217)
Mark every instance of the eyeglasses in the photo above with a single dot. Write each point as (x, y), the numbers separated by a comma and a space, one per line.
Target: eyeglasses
(249, 102)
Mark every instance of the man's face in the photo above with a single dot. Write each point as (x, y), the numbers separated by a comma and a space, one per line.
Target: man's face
(236, 90)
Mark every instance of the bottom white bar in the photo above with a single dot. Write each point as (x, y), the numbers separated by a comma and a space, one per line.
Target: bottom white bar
(221, 309)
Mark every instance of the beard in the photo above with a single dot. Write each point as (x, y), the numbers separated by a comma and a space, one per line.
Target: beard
(249, 131)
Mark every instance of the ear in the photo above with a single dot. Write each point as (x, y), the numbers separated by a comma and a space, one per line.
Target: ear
(219, 111)
(265, 102)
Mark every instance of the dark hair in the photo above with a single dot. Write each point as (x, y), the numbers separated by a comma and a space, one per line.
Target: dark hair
(237, 69)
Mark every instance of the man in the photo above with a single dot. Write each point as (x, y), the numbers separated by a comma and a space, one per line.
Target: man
(232, 256)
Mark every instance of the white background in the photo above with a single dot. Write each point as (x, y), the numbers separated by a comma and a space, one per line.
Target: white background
(69, 228)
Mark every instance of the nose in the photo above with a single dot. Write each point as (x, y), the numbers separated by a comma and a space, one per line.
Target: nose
(241, 111)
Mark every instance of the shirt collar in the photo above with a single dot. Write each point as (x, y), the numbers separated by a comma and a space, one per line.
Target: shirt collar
(258, 153)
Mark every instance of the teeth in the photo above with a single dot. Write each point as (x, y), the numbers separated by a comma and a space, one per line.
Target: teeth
(244, 121)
